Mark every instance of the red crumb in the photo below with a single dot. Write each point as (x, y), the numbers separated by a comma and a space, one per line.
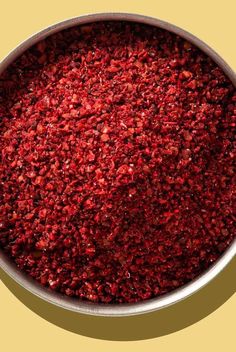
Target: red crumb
(117, 168)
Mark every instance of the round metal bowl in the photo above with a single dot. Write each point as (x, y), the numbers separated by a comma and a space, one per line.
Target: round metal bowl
(114, 310)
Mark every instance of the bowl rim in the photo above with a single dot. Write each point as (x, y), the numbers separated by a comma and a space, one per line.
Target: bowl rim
(123, 309)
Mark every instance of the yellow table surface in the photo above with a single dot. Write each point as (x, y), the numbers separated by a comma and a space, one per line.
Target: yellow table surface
(204, 322)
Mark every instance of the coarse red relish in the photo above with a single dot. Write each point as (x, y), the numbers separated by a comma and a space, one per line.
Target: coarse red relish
(117, 162)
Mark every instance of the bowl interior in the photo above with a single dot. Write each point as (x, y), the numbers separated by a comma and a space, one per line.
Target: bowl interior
(117, 309)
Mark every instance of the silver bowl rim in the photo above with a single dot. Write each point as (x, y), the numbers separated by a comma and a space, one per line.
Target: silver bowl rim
(124, 309)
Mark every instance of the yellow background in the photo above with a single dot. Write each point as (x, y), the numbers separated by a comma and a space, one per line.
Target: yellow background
(206, 321)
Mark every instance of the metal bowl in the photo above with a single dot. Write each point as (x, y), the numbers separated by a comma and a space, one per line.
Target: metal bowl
(114, 310)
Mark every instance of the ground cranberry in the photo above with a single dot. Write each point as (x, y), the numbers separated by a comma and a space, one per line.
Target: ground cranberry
(117, 167)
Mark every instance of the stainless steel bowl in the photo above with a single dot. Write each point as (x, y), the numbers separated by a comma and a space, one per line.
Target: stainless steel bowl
(115, 310)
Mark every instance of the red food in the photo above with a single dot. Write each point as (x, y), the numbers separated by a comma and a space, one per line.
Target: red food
(117, 167)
